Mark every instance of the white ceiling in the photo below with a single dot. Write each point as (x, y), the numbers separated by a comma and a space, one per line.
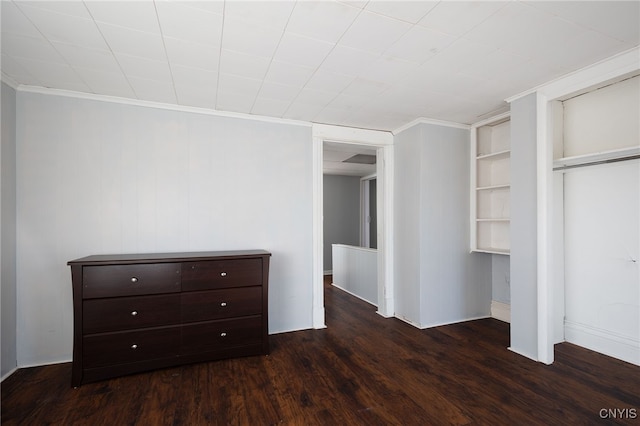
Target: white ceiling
(367, 64)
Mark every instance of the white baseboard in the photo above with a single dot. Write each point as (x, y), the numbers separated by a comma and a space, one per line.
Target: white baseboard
(501, 311)
(603, 341)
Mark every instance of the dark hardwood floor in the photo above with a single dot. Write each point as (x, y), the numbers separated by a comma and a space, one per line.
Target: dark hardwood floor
(361, 370)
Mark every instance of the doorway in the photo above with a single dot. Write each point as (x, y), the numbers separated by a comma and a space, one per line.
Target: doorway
(382, 143)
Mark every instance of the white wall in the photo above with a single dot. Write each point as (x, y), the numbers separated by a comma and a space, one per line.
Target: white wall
(100, 177)
(341, 212)
(438, 280)
(8, 230)
(355, 270)
(523, 258)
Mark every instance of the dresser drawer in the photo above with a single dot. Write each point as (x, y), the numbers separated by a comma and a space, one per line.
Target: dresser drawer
(130, 280)
(217, 304)
(130, 346)
(221, 274)
(220, 335)
(125, 313)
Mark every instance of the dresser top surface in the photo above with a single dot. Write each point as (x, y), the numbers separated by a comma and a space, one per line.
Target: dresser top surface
(107, 259)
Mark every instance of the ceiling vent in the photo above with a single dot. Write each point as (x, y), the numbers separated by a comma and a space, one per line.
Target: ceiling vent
(361, 159)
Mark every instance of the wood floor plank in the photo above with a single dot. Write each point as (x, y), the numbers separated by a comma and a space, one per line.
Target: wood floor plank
(362, 369)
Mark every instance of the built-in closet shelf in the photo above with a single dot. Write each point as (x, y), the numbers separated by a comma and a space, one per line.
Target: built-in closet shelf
(595, 157)
(494, 188)
(490, 183)
(492, 250)
(500, 155)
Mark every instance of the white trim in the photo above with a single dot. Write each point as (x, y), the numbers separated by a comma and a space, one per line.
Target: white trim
(603, 341)
(440, 324)
(351, 135)
(615, 66)
(158, 105)
(544, 172)
(383, 143)
(597, 156)
(526, 355)
(496, 119)
(431, 121)
(317, 278)
(501, 311)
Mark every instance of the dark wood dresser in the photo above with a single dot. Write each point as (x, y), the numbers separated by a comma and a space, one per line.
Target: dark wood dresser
(138, 312)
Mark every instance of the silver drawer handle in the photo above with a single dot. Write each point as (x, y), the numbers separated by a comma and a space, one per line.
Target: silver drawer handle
(134, 313)
(223, 304)
(223, 334)
(223, 274)
(134, 346)
(134, 280)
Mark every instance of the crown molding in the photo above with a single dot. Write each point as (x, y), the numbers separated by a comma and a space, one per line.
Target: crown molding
(433, 122)
(159, 105)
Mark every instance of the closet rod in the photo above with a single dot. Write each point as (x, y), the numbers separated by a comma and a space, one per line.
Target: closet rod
(594, 163)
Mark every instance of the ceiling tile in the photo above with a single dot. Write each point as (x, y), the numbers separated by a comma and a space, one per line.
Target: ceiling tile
(133, 42)
(207, 6)
(461, 53)
(589, 47)
(55, 75)
(409, 11)
(300, 50)
(347, 102)
(389, 69)
(28, 47)
(196, 96)
(363, 87)
(265, 14)
(228, 101)
(458, 17)
(322, 20)
(181, 52)
(509, 24)
(497, 63)
(237, 85)
(280, 92)
(419, 44)
(12, 20)
(302, 111)
(148, 69)
(269, 107)
(316, 97)
(65, 28)
(243, 65)
(71, 8)
(17, 72)
(374, 33)
(617, 19)
(324, 79)
(348, 61)
(289, 74)
(152, 90)
(185, 76)
(242, 37)
(86, 57)
(189, 23)
(107, 83)
(138, 15)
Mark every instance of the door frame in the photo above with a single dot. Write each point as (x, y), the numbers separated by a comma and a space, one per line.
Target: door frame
(382, 142)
